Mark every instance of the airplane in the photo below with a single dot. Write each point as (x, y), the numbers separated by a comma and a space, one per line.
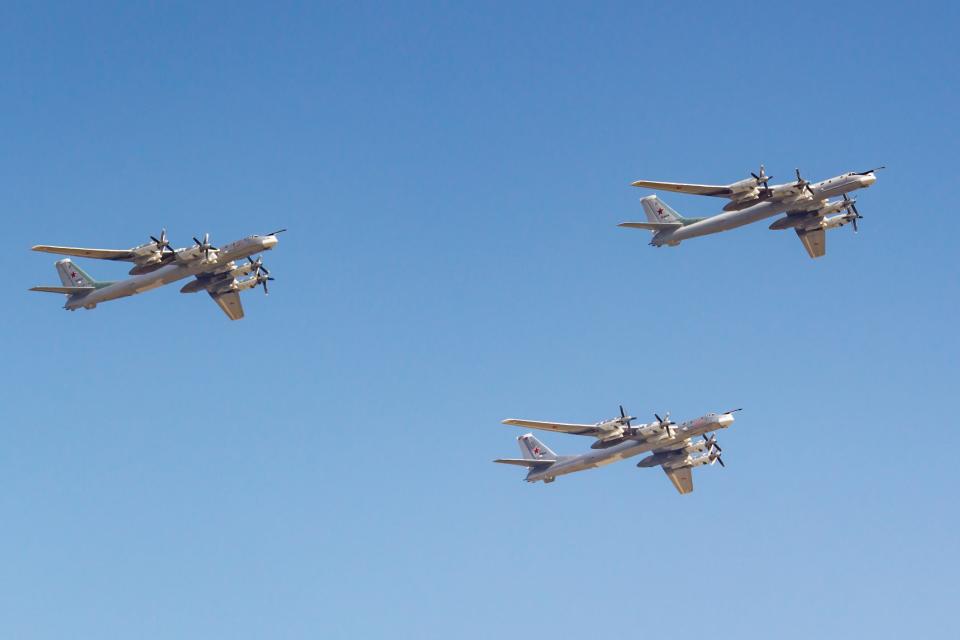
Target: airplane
(807, 205)
(157, 263)
(672, 446)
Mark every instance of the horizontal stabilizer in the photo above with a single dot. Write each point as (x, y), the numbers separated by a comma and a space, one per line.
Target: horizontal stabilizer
(652, 226)
(67, 290)
(526, 462)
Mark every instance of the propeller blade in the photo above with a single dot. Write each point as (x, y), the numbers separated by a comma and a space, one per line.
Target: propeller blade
(622, 412)
(855, 230)
(197, 241)
(659, 419)
(720, 460)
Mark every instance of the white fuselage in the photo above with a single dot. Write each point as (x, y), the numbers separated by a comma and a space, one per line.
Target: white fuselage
(177, 270)
(630, 448)
(832, 187)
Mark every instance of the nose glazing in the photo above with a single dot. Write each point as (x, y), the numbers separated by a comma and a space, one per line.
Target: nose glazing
(725, 420)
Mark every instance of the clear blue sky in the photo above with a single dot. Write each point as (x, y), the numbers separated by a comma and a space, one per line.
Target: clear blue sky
(451, 176)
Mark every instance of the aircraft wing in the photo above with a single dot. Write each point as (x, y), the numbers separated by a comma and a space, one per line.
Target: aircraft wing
(815, 241)
(681, 187)
(561, 427)
(681, 478)
(100, 254)
(230, 303)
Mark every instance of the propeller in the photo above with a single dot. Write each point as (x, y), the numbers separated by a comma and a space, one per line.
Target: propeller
(762, 178)
(258, 265)
(625, 420)
(803, 184)
(205, 246)
(851, 207)
(162, 243)
(863, 173)
(716, 456)
(262, 279)
(712, 442)
(666, 423)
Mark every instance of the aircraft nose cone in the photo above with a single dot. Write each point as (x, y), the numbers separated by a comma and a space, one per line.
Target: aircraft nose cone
(868, 179)
(725, 420)
(269, 241)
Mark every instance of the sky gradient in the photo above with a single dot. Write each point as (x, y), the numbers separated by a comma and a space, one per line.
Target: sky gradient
(452, 177)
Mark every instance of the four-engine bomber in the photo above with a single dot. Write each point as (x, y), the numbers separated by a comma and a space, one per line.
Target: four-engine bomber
(155, 264)
(674, 447)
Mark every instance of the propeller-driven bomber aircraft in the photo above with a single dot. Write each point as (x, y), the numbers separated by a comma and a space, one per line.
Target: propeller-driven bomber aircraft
(157, 263)
(672, 446)
(808, 207)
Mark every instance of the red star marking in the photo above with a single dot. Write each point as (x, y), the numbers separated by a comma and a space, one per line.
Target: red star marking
(73, 274)
(660, 212)
(536, 451)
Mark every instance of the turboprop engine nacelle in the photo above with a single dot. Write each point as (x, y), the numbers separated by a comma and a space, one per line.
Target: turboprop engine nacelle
(242, 270)
(837, 221)
(691, 461)
(668, 458)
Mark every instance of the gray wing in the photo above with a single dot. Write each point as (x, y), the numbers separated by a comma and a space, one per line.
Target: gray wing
(80, 252)
(717, 190)
(681, 478)
(815, 241)
(560, 427)
(230, 303)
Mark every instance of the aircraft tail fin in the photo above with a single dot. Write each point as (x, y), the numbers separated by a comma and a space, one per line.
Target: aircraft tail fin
(658, 211)
(533, 449)
(73, 276)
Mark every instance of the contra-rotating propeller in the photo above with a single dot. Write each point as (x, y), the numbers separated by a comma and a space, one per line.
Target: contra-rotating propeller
(666, 423)
(625, 420)
(803, 184)
(850, 205)
(205, 246)
(162, 243)
(262, 279)
(762, 178)
(712, 442)
(258, 265)
(715, 455)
